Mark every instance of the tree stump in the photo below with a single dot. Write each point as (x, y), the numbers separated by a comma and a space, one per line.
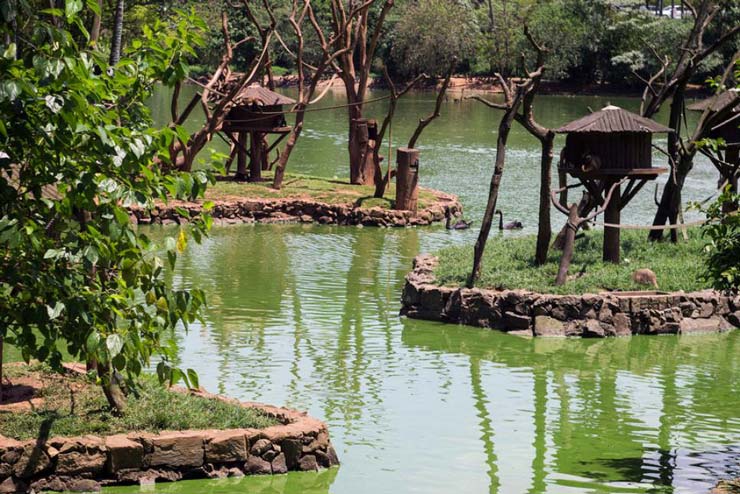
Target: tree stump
(407, 179)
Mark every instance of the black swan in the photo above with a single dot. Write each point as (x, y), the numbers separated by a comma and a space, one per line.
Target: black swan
(512, 225)
(460, 224)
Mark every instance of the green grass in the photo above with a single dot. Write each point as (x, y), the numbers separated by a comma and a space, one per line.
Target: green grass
(311, 188)
(154, 410)
(508, 264)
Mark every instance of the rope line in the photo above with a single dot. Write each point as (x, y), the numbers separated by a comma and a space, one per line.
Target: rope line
(651, 227)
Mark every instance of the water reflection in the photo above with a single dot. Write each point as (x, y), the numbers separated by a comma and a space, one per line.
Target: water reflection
(306, 316)
(608, 415)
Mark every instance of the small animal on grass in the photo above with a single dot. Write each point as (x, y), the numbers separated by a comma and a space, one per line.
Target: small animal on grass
(459, 224)
(512, 225)
(645, 277)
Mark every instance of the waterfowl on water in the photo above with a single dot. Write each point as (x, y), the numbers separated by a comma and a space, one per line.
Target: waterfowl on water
(512, 225)
(460, 224)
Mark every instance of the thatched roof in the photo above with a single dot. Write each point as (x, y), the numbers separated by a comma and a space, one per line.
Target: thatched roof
(612, 119)
(262, 97)
(718, 101)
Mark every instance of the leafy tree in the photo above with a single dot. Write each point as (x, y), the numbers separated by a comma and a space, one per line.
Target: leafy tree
(79, 149)
(723, 249)
(431, 33)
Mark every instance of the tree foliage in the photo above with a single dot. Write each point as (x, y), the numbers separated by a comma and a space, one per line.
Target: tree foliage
(431, 33)
(723, 247)
(79, 150)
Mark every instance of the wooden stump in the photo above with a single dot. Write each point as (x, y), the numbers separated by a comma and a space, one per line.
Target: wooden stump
(407, 179)
(611, 235)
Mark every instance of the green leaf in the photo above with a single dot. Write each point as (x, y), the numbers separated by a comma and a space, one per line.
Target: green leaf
(114, 343)
(93, 340)
(71, 7)
(55, 311)
(193, 377)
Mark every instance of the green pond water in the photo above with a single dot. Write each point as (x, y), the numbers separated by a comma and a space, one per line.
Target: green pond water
(307, 317)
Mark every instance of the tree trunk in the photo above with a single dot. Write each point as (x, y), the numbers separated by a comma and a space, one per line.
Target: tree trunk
(255, 160)
(241, 157)
(97, 18)
(571, 228)
(544, 231)
(112, 390)
(277, 181)
(115, 48)
(611, 234)
(584, 208)
(498, 171)
(359, 152)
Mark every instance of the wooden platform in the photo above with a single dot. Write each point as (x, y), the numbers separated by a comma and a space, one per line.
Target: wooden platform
(615, 173)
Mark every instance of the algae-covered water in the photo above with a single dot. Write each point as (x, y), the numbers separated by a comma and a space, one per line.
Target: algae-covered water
(307, 317)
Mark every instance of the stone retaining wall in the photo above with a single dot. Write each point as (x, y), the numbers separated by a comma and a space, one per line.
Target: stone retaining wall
(87, 463)
(302, 211)
(591, 315)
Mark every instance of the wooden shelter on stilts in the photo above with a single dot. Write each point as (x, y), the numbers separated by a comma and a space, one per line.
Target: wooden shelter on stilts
(726, 158)
(257, 113)
(605, 150)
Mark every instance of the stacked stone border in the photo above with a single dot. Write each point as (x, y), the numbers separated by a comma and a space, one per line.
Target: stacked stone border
(292, 210)
(591, 315)
(299, 443)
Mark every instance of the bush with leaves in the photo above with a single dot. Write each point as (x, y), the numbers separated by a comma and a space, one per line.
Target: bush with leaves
(723, 249)
(78, 150)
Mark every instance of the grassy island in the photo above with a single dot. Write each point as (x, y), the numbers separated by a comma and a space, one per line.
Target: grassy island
(318, 189)
(73, 405)
(508, 263)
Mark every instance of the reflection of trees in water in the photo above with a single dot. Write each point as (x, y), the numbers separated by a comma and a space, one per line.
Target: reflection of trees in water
(597, 430)
(243, 270)
(291, 483)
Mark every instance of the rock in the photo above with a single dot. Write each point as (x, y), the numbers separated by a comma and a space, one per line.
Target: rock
(260, 447)
(81, 455)
(548, 326)
(83, 485)
(11, 485)
(278, 464)
(734, 318)
(688, 326)
(622, 324)
(308, 464)
(226, 447)
(33, 461)
(593, 329)
(332, 455)
(706, 310)
(124, 453)
(269, 455)
(184, 449)
(513, 321)
(257, 466)
(235, 472)
(292, 450)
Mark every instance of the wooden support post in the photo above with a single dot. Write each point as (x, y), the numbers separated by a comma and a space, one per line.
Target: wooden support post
(407, 179)
(241, 157)
(732, 156)
(255, 158)
(611, 235)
